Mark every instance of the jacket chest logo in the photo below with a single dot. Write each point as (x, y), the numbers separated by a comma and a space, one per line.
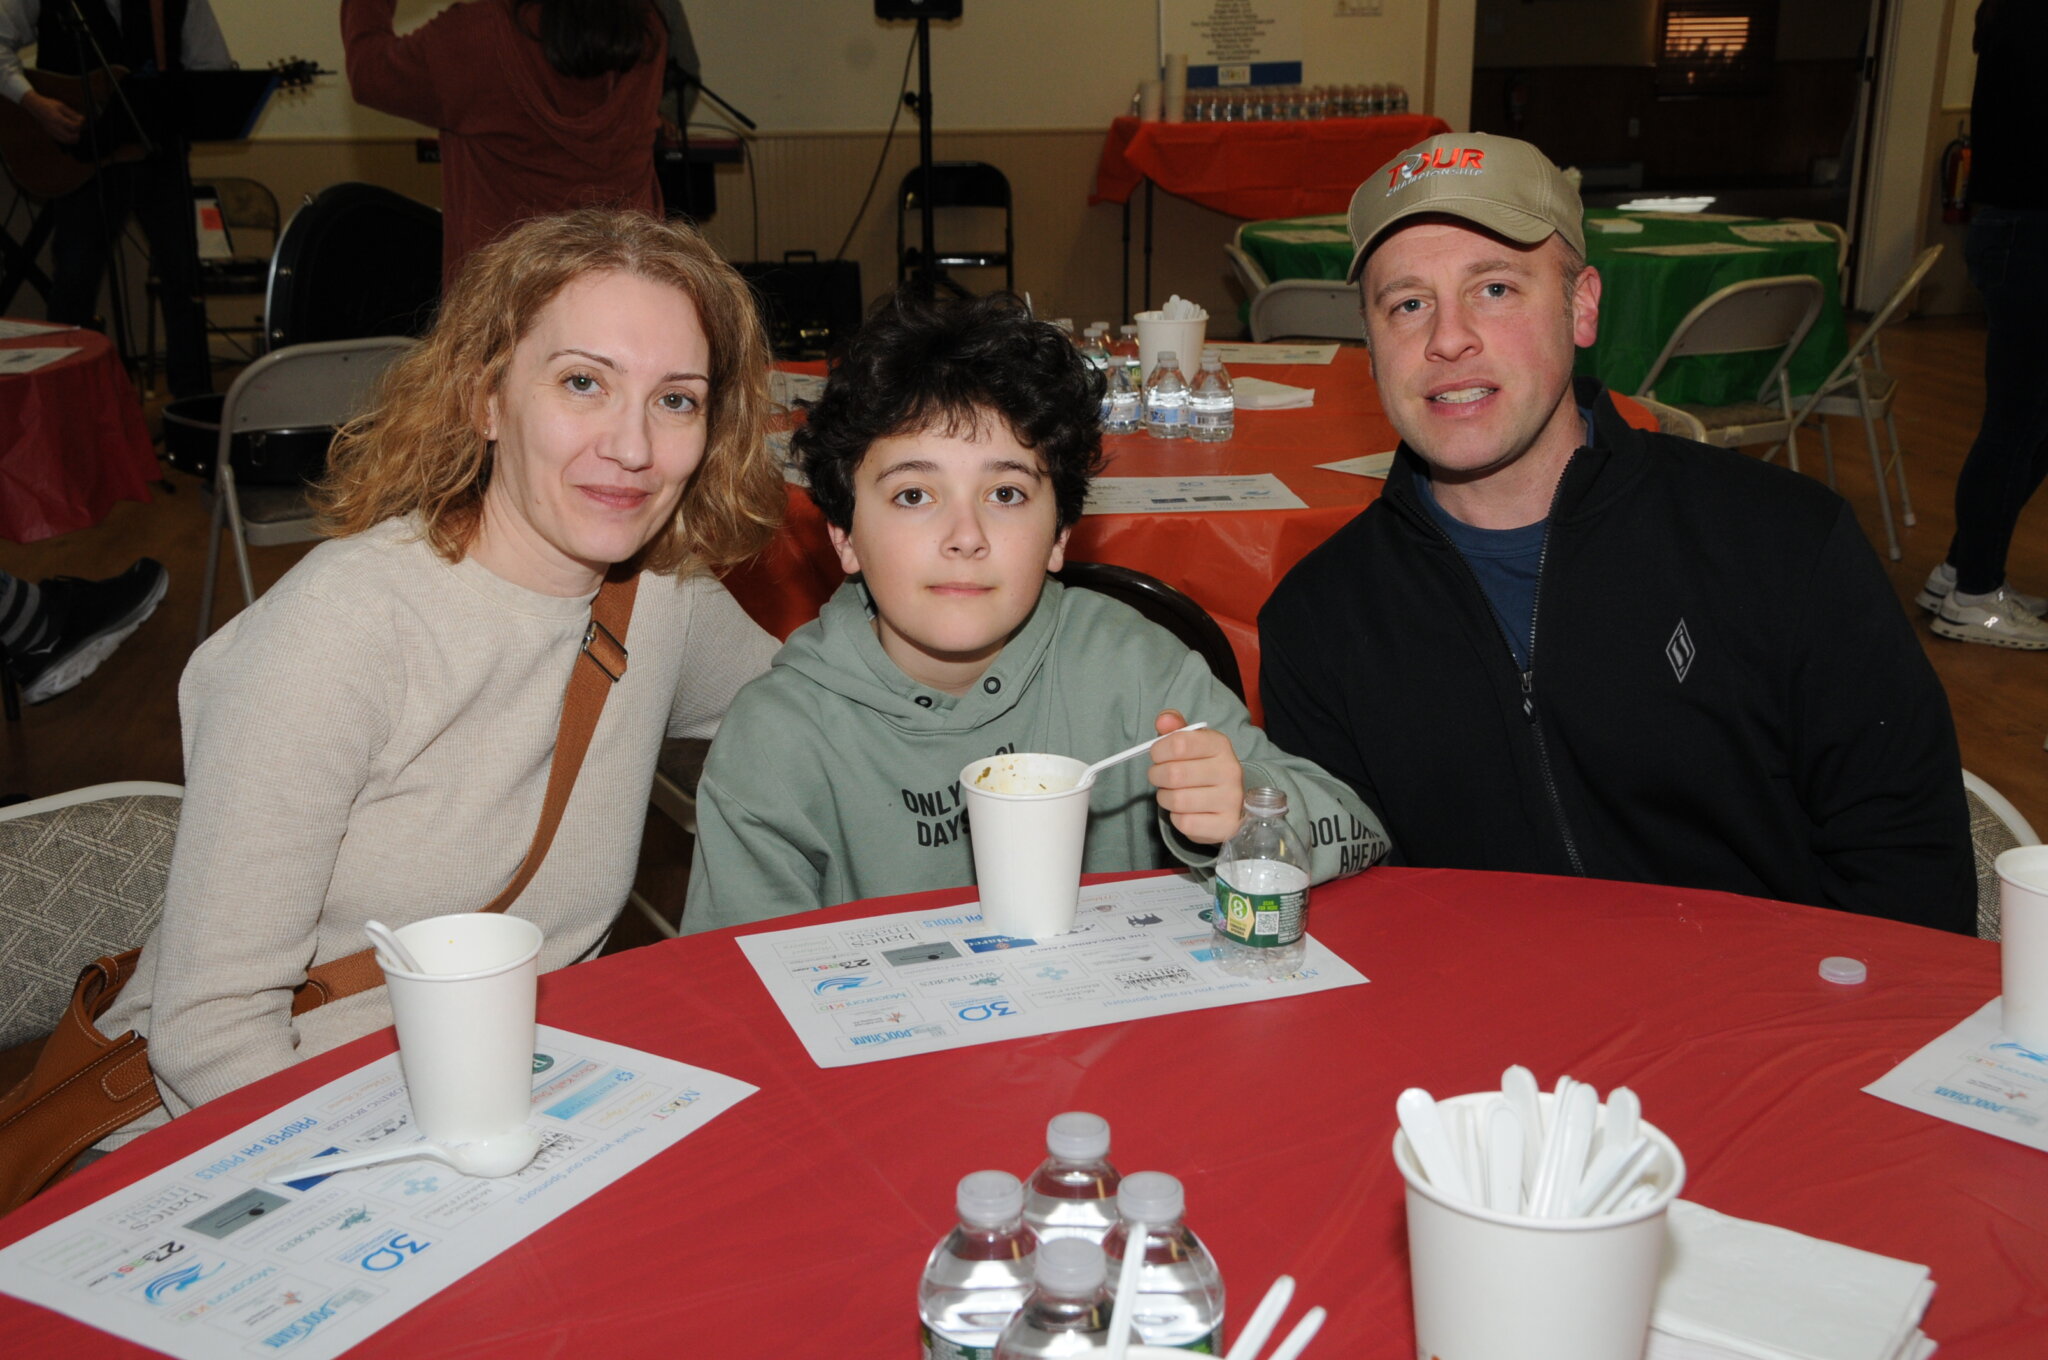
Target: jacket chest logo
(1680, 651)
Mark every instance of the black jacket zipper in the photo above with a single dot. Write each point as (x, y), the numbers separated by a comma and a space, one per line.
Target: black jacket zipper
(1528, 675)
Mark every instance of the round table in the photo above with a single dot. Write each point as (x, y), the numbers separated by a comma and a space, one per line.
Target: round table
(796, 1223)
(72, 438)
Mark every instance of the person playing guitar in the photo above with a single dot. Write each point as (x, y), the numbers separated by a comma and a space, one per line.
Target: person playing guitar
(80, 38)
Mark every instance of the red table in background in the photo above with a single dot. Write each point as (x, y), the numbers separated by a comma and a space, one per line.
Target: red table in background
(72, 439)
(1226, 561)
(1286, 169)
(796, 1223)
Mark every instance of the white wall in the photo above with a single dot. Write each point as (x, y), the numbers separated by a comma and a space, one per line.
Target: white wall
(830, 65)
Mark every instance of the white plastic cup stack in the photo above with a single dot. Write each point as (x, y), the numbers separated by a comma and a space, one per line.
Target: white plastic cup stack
(465, 1024)
(1551, 1279)
(2023, 944)
(1027, 840)
(1179, 326)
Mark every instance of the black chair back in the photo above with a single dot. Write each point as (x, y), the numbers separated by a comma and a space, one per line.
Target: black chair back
(1165, 606)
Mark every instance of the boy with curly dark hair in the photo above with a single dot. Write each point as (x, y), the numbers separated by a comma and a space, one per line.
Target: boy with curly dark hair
(950, 455)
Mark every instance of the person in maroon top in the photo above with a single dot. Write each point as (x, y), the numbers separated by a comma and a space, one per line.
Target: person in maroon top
(542, 105)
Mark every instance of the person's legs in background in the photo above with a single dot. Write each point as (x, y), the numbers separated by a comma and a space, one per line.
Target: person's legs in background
(2008, 259)
(55, 633)
(163, 208)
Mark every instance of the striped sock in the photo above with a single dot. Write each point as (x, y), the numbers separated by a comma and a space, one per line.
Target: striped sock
(22, 621)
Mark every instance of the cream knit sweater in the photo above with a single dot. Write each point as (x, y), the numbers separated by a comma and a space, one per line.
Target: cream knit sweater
(371, 739)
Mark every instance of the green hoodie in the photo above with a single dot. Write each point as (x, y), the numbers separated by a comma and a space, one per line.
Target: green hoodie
(835, 776)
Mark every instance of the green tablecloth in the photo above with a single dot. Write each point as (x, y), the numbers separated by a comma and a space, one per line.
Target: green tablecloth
(1644, 295)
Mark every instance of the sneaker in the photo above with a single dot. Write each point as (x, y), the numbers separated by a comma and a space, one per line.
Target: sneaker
(1942, 580)
(87, 621)
(1999, 621)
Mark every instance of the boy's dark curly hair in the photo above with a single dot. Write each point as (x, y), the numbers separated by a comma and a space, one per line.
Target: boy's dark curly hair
(920, 365)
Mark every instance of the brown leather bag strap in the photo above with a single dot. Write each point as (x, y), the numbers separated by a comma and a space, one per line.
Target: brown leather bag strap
(604, 648)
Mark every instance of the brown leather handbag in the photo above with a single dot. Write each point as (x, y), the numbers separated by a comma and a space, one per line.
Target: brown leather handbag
(86, 1085)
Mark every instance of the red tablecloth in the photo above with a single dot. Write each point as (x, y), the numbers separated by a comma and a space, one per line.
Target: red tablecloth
(1256, 169)
(72, 439)
(1226, 561)
(796, 1223)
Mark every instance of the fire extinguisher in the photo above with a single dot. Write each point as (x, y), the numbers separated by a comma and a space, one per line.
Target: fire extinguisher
(1955, 179)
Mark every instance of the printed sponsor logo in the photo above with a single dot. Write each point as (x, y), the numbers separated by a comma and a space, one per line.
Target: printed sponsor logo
(561, 1081)
(928, 951)
(126, 1271)
(1067, 993)
(983, 1008)
(850, 982)
(385, 1252)
(885, 1017)
(1148, 919)
(883, 1037)
(237, 1213)
(603, 1088)
(1136, 951)
(864, 1001)
(222, 1293)
(859, 964)
(2008, 1048)
(1162, 978)
(135, 1218)
(326, 1311)
(1420, 165)
(542, 1062)
(874, 937)
(190, 1269)
(963, 979)
(984, 944)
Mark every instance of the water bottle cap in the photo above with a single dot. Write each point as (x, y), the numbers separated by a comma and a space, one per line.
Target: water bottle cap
(1126, 330)
(1211, 360)
(1167, 356)
(1265, 802)
(1151, 1198)
(1078, 1136)
(989, 1199)
(1071, 1266)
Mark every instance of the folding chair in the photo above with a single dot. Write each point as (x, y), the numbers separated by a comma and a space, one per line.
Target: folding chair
(1249, 275)
(956, 184)
(1857, 388)
(1322, 308)
(1171, 609)
(1675, 420)
(1744, 318)
(287, 391)
(1995, 827)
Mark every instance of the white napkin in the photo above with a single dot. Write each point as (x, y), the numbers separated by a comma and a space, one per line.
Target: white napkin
(1732, 1288)
(1256, 394)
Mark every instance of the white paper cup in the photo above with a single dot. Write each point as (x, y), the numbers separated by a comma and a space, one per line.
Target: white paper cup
(1027, 846)
(1184, 338)
(2023, 943)
(1489, 1285)
(465, 1024)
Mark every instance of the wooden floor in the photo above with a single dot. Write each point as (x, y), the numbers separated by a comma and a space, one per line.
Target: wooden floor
(122, 723)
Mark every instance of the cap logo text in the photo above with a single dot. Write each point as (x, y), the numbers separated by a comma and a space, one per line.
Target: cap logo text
(1467, 159)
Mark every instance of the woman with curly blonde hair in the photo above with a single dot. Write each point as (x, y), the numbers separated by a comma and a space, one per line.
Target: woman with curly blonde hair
(371, 739)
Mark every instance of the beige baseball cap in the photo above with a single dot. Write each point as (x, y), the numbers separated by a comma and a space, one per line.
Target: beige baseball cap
(1504, 185)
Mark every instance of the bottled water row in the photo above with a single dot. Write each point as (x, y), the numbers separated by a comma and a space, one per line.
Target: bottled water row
(1028, 1272)
(1292, 103)
(1164, 402)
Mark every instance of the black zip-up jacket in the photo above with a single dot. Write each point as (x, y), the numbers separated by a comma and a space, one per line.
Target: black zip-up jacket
(1723, 691)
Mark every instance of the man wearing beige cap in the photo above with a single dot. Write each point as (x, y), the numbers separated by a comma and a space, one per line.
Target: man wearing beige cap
(1559, 644)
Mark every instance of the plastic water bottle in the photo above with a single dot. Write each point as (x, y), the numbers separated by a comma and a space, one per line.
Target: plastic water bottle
(1180, 1290)
(1212, 407)
(1067, 1311)
(1166, 399)
(978, 1275)
(1261, 914)
(1126, 405)
(1073, 1192)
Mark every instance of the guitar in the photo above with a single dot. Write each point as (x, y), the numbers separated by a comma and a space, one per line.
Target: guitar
(43, 167)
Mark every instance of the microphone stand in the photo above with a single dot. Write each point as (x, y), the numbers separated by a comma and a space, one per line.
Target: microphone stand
(84, 40)
(679, 78)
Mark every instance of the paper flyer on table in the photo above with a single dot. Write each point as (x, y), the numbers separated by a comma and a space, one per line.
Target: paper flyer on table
(206, 1258)
(1694, 248)
(29, 360)
(1781, 231)
(15, 330)
(1171, 495)
(1977, 1077)
(1255, 352)
(925, 981)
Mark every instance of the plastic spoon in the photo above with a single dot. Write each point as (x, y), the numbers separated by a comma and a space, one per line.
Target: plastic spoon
(500, 1156)
(1303, 1333)
(1136, 1244)
(1624, 1116)
(1518, 1084)
(1088, 775)
(1612, 1171)
(1263, 1320)
(1564, 1151)
(386, 940)
(1424, 1125)
(1504, 1141)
